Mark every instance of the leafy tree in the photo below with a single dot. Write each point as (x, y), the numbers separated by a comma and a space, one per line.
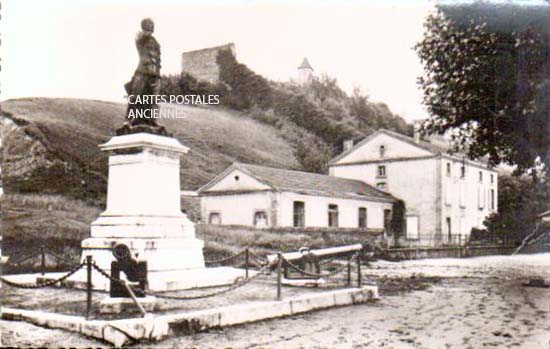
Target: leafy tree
(521, 199)
(487, 80)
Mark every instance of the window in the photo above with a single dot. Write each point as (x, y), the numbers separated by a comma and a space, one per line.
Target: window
(299, 214)
(449, 229)
(448, 169)
(492, 179)
(332, 215)
(492, 199)
(480, 198)
(412, 227)
(382, 171)
(382, 150)
(215, 218)
(480, 177)
(382, 186)
(260, 219)
(462, 171)
(362, 217)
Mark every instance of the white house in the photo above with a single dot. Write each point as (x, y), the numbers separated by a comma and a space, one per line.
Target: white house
(445, 195)
(262, 196)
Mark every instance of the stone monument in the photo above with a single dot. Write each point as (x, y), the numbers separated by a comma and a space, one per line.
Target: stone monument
(143, 208)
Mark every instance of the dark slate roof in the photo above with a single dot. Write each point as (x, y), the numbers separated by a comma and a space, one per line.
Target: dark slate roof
(305, 64)
(313, 183)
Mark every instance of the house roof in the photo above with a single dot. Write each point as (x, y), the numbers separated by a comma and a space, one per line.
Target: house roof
(431, 147)
(305, 64)
(307, 183)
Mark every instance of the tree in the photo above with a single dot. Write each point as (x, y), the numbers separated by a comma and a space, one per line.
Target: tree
(521, 199)
(487, 80)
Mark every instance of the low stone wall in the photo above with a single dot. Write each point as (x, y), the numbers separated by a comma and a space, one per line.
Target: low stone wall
(443, 252)
(154, 328)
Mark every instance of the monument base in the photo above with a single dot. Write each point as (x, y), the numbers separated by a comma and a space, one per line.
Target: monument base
(110, 305)
(161, 254)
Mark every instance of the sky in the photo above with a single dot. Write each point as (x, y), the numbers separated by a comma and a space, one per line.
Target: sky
(85, 48)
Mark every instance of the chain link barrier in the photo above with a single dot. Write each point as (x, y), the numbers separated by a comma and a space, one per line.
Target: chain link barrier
(42, 284)
(321, 275)
(106, 274)
(225, 259)
(240, 282)
(62, 258)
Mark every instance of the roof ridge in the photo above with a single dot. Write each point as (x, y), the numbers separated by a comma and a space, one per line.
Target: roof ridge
(325, 176)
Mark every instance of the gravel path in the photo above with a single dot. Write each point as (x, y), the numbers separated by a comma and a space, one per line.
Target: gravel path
(470, 303)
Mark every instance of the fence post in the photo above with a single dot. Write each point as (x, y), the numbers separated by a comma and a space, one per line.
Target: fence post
(246, 258)
(88, 286)
(279, 275)
(359, 255)
(349, 271)
(43, 261)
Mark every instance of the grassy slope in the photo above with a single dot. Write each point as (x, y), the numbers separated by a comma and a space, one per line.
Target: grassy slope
(51, 206)
(71, 129)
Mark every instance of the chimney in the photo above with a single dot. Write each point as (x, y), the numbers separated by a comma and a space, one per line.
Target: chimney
(348, 144)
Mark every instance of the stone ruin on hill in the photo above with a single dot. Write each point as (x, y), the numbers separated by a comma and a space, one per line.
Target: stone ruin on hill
(202, 63)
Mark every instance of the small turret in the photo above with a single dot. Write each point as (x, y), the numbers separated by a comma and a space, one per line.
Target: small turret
(305, 72)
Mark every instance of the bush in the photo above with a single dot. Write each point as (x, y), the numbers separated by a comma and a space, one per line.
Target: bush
(227, 240)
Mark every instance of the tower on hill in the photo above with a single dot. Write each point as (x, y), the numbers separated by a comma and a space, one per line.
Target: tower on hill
(203, 65)
(305, 72)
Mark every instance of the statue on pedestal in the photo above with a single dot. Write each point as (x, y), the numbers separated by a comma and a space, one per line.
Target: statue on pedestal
(143, 89)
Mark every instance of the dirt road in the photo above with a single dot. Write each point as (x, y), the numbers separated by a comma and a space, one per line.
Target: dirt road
(471, 303)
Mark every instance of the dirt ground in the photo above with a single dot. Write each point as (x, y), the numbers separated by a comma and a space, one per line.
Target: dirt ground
(440, 303)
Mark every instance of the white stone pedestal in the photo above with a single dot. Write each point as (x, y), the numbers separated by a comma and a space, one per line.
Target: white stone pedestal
(143, 206)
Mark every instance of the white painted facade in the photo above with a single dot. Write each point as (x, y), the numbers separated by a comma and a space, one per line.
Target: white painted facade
(442, 204)
(237, 198)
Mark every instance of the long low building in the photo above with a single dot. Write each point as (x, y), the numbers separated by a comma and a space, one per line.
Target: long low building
(260, 196)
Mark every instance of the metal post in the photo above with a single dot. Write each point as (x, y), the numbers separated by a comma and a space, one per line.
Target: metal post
(88, 286)
(279, 275)
(43, 261)
(246, 257)
(349, 271)
(359, 281)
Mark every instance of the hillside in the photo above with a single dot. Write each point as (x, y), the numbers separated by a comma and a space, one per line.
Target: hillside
(50, 146)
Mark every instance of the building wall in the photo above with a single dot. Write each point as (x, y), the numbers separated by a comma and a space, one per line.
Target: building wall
(238, 209)
(413, 181)
(316, 211)
(432, 195)
(202, 63)
(466, 201)
(238, 180)
(393, 148)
